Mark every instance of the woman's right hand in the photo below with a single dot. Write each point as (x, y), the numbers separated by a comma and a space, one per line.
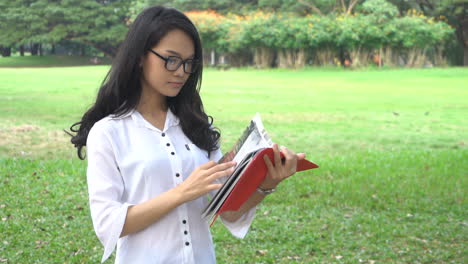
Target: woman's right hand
(202, 179)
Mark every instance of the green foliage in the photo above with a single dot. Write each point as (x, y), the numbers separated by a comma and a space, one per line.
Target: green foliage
(211, 27)
(261, 30)
(379, 25)
(221, 6)
(101, 24)
(419, 32)
(381, 9)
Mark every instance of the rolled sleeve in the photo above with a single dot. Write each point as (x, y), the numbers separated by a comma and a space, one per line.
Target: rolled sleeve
(241, 226)
(105, 187)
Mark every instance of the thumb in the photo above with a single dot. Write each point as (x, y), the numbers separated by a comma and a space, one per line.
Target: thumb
(300, 156)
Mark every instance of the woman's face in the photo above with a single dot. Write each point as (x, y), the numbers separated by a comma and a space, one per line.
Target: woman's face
(156, 79)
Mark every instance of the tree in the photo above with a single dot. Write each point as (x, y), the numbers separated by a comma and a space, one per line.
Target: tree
(101, 24)
(220, 6)
(454, 11)
(17, 24)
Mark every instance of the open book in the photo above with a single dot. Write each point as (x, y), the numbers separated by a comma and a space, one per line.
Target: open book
(249, 172)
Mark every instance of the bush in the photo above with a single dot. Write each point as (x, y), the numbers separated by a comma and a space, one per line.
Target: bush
(288, 40)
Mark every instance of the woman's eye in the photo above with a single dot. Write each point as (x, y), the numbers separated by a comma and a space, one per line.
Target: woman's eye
(173, 61)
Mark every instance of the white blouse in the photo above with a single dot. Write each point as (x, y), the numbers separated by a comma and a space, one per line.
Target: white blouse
(129, 162)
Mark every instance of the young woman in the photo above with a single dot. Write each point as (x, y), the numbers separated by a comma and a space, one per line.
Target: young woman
(152, 150)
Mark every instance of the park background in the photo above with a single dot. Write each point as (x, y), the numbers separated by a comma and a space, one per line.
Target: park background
(374, 91)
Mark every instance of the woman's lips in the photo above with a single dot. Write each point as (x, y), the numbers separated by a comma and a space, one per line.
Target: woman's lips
(176, 84)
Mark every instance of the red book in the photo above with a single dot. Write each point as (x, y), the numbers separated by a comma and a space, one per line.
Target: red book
(249, 172)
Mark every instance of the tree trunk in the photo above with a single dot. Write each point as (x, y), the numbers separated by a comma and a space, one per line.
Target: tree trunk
(212, 58)
(34, 49)
(465, 55)
(463, 34)
(239, 59)
(40, 50)
(6, 51)
(380, 57)
(52, 50)
(439, 58)
(282, 59)
(357, 57)
(324, 57)
(300, 59)
(108, 49)
(263, 57)
(291, 58)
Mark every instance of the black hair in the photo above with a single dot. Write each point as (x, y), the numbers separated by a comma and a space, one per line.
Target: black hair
(121, 89)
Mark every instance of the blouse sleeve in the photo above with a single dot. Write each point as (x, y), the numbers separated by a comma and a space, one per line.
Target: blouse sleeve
(105, 187)
(240, 227)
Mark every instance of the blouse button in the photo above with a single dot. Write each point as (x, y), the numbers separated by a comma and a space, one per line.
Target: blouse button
(163, 134)
(185, 232)
(187, 243)
(177, 174)
(172, 153)
(168, 144)
(184, 221)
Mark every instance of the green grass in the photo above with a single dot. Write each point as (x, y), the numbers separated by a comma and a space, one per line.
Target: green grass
(392, 146)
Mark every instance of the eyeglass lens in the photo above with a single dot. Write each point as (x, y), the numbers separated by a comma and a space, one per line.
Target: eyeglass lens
(173, 63)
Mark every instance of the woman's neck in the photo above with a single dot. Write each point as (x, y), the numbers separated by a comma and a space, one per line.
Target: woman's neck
(152, 102)
(153, 107)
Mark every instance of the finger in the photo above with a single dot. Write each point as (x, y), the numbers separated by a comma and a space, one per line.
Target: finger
(277, 156)
(220, 174)
(207, 165)
(269, 165)
(291, 161)
(288, 154)
(300, 156)
(221, 167)
(214, 186)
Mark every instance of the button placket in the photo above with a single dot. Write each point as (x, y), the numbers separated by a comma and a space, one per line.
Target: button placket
(182, 210)
(187, 239)
(172, 156)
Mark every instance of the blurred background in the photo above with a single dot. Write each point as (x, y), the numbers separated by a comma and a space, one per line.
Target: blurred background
(260, 33)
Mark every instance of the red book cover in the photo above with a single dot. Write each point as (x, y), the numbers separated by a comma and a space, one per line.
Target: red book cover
(251, 178)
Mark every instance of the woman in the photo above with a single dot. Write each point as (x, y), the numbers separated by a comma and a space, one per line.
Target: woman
(151, 149)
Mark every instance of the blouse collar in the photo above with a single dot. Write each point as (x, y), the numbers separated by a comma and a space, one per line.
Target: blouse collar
(140, 121)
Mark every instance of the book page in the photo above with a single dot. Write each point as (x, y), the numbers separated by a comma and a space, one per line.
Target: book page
(254, 138)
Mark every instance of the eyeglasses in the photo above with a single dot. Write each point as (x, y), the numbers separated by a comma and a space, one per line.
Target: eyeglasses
(173, 63)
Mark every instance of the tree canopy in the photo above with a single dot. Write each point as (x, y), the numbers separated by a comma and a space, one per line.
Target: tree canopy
(102, 24)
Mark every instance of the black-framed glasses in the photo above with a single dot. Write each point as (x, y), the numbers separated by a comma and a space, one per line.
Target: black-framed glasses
(172, 63)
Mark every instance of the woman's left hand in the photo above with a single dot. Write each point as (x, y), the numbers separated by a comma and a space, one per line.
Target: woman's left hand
(282, 169)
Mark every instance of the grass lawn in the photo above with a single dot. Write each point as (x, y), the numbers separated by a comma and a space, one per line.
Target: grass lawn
(392, 146)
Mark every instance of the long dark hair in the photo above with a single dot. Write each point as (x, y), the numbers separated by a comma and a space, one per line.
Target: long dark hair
(120, 90)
